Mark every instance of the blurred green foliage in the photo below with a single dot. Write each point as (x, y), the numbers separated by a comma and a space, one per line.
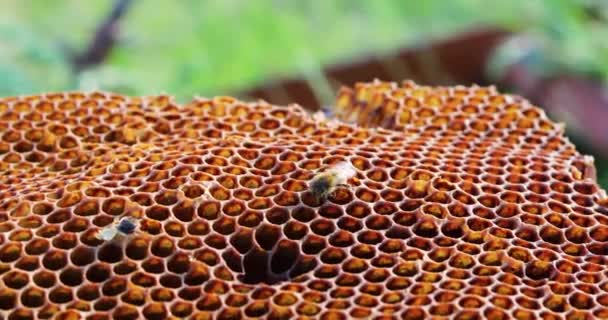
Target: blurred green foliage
(208, 47)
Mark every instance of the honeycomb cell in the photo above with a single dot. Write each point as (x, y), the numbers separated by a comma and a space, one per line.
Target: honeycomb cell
(155, 311)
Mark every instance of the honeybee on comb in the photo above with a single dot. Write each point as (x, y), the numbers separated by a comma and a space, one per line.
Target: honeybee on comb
(118, 229)
(324, 183)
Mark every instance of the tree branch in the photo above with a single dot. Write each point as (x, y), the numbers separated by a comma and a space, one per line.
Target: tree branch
(104, 40)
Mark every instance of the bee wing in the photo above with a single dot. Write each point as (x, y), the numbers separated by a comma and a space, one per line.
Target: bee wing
(344, 171)
(107, 233)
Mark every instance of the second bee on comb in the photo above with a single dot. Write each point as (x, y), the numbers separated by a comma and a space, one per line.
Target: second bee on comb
(324, 183)
(118, 229)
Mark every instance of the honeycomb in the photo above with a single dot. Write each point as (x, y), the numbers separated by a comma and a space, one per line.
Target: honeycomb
(466, 204)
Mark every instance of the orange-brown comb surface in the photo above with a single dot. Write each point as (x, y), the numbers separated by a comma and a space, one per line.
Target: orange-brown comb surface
(467, 204)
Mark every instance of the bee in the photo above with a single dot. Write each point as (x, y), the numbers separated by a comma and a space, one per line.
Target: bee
(325, 183)
(118, 229)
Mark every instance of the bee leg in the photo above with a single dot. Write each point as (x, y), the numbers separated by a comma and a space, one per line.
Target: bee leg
(320, 196)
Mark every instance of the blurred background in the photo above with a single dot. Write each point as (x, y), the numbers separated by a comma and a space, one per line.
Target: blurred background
(554, 52)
